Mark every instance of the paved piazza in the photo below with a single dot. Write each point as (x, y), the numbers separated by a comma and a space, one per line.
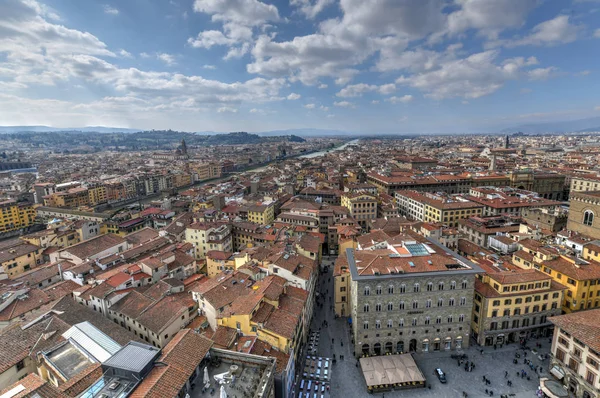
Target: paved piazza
(347, 380)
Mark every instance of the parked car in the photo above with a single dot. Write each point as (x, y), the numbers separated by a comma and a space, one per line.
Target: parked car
(440, 375)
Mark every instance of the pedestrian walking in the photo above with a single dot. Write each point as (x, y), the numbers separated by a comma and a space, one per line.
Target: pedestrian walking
(506, 374)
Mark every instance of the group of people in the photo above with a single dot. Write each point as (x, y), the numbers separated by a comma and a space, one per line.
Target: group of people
(469, 366)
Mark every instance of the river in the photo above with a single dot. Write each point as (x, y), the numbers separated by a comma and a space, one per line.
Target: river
(323, 152)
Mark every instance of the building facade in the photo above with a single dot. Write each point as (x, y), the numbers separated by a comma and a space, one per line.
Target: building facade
(416, 298)
(576, 353)
(512, 306)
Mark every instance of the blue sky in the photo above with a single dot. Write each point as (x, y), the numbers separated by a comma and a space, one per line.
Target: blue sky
(368, 66)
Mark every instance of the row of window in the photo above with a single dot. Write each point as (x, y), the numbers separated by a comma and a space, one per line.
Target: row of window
(517, 311)
(515, 288)
(415, 304)
(416, 288)
(414, 322)
(519, 300)
(516, 323)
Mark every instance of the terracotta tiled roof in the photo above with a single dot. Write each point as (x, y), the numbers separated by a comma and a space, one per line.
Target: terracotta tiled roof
(583, 325)
(82, 380)
(35, 387)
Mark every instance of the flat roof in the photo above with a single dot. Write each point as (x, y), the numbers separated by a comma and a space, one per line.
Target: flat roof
(467, 266)
(391, 369)
(133, 357)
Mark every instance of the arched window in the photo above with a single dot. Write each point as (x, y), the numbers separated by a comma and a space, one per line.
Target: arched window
(588, 217)
(403, 288)
(378, 307)
(366, 308)
(391, 289)
(390, 307)
(367, 291)
(378, 290)
(401, 305)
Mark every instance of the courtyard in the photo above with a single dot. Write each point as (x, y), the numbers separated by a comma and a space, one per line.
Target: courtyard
(347, 379)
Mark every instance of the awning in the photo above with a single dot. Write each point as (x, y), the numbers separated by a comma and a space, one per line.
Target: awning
(557, 372)
(553, 389)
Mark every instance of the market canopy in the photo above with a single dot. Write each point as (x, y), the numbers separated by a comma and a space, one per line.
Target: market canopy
(390, 369)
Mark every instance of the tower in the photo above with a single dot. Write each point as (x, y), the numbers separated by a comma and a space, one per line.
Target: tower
(506, 142)
(183, 147)
(493, 163)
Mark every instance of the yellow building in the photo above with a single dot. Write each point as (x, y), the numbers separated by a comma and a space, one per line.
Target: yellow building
(219, 261)
(362, 206)
(435, 208)
(97, 194)
(205, 171)
(581, 277)
(73, 198)
(209, 236)
(262, 214)
(513, 305)
(53, 237)
(273, 312)
(182, 180)
(17, 256)
(16, 215)
(341, 286)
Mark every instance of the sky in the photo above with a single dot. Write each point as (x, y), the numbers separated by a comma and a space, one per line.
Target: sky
(364, 66)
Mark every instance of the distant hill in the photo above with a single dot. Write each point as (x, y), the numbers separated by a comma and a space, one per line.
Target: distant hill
(567, 126)
(48, 129)
(143, 140)
(296, 132)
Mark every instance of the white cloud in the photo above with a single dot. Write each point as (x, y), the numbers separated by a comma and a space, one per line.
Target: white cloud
(489, 17)
(357, 90)
(375, 102)
(341, 44)
(166, 58)
(225, 109)
(597, 33)
(293, 96)
(322, 86)
(310, 106)
(324, 108)
(144, 55)
(38, 52)
(243, 12)
(597, 108)
(344, 104)
(471, 77)
(555, 31)
(110, 10)
(542, 73)
(311, 8)
(125, 54)
(210, 38)
(330, 115)
(207, 66)
(404, 99)
(583, 73)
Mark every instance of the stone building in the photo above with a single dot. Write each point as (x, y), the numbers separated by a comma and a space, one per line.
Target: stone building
(409, 294)
(554, 220)
(583, 209)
